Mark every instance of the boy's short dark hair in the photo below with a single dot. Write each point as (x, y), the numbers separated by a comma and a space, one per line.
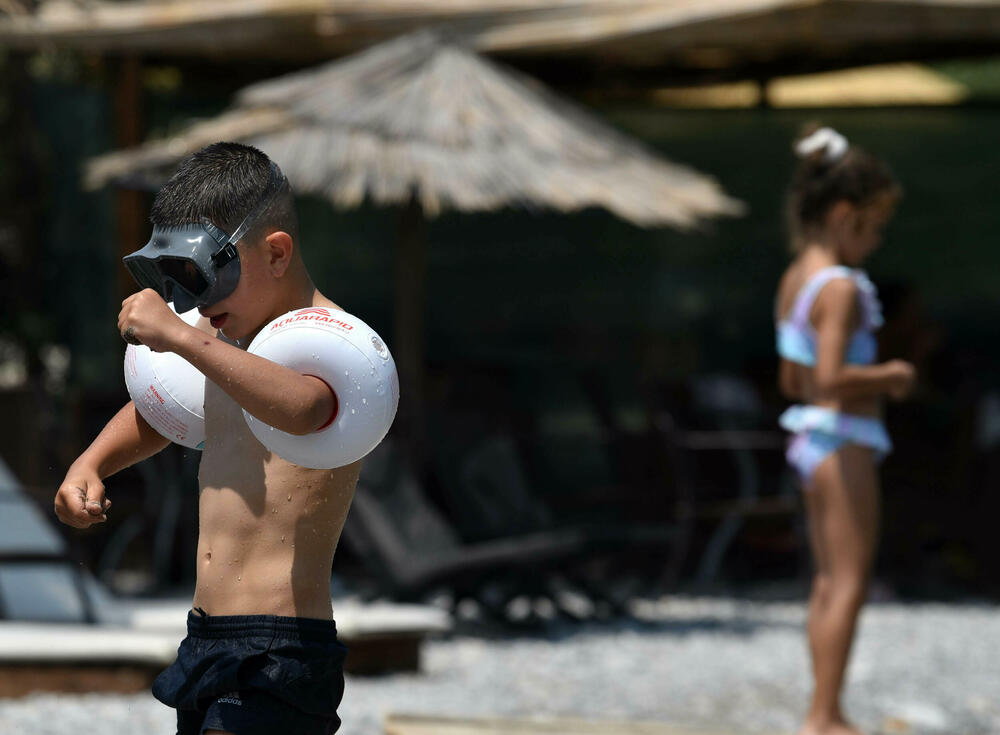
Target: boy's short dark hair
(223, 182)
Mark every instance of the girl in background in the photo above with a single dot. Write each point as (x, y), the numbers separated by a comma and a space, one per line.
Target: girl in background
(827, 311)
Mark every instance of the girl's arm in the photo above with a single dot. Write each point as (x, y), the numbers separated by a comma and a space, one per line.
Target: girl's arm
(125, 440)
(837, 313)
(788, 380)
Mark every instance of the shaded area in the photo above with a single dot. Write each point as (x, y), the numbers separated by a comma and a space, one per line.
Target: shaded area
(512, 300)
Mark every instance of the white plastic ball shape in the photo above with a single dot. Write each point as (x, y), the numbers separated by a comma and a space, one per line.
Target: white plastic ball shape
(168, 391)
(348, 355)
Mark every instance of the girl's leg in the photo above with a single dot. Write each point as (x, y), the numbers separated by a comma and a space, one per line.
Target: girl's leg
(819, 594)
(844, 514)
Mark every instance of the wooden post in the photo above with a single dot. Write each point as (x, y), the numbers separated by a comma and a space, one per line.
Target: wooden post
(131, 206)
(411, 305)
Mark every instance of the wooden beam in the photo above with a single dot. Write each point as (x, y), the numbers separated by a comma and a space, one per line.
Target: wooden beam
(18, 680)
(131, 205)
(621, 33)
(403, 724)
(409, 328)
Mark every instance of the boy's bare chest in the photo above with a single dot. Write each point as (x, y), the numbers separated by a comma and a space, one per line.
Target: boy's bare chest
(232, 456)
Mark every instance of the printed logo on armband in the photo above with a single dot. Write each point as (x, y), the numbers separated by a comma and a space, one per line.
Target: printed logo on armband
(315, 314)
(231, 698)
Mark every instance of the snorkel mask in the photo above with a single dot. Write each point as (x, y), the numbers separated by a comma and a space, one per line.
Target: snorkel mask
(197, 264)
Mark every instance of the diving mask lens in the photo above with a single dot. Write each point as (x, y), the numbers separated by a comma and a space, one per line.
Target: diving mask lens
(145, 272)
(185, 274)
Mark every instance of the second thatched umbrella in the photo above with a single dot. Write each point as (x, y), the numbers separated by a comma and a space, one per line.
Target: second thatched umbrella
(432, 126)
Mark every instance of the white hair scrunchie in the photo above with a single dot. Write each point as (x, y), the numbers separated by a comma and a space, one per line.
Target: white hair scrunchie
(829, 139)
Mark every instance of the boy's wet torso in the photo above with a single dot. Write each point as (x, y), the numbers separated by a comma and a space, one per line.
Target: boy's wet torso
(268, 529)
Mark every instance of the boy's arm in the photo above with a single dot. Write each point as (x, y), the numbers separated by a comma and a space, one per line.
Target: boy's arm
(277, 395)
(125, 440)
(836, 379)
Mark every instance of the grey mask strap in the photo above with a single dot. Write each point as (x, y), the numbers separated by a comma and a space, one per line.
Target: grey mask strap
(274, 181)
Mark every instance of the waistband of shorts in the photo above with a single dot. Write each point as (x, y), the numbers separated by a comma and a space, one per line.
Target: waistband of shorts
(227, 626)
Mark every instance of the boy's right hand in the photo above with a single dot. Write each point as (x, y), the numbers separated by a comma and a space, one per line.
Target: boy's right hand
(902, 377)
(80, 500)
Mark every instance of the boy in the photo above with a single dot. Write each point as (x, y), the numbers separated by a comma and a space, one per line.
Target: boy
(261, 651)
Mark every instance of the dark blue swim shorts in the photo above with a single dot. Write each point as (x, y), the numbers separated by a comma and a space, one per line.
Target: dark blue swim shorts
(255, 675)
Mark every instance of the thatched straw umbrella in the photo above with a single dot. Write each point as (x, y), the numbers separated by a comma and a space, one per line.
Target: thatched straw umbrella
(431, 126)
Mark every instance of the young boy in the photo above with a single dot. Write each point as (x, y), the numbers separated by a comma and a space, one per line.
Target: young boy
(261, 655)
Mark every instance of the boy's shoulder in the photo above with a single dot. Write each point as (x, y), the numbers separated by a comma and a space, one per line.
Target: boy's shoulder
(321, 300)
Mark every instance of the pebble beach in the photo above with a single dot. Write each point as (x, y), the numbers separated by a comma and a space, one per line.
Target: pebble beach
(727, 665)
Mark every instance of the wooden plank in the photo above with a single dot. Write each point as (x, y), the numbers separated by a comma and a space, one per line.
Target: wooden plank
(74, 644)
(640, 33)
(131, 209)
(18, 680)
(405, 724)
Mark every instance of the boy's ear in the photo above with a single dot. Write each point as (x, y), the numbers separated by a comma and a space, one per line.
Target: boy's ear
(279, 248)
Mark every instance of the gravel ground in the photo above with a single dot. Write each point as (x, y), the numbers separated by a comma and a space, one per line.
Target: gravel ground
(703, 663)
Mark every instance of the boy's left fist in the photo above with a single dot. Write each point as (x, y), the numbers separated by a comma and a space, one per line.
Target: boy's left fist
(146, 319)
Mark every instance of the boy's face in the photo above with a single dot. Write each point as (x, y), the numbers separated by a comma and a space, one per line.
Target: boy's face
(253, 303)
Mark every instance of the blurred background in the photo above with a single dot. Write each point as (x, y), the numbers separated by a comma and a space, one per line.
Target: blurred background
(582, 317)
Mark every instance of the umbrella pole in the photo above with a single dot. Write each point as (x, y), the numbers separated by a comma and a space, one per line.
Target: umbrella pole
(131, 222)
(409, 337)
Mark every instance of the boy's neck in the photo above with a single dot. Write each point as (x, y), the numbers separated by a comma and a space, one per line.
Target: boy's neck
(299, 292)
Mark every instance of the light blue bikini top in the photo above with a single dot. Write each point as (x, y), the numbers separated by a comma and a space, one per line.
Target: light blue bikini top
(797, 338)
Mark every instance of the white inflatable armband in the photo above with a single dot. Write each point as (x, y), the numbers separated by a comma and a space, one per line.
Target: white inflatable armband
(168, 391)
(354, 362)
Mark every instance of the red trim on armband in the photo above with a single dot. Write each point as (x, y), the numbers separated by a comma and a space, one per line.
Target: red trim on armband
(336, 403)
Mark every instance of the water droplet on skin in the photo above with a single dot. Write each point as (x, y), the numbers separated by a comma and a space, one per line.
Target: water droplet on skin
(239, 579)
(289, 497)
(282, 539)
(275, 510)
